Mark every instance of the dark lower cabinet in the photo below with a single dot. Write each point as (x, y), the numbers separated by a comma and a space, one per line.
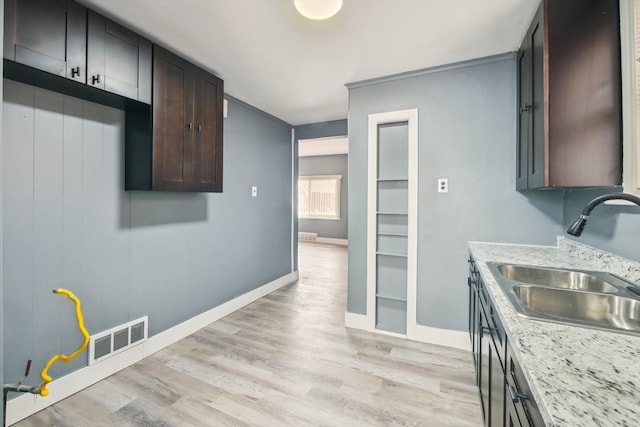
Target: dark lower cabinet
(522, 406)
(50, 35)
(504, 393)
(118, 60)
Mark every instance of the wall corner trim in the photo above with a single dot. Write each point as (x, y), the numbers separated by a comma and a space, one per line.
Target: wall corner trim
(25, 405)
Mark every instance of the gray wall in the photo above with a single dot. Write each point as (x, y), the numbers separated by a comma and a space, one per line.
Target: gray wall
(322, 129)
(327, 165)
(466, 134)
(612, 228)
(68, 222)
(309, 131)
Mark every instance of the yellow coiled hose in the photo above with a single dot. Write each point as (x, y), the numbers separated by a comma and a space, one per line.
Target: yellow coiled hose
(46, 379)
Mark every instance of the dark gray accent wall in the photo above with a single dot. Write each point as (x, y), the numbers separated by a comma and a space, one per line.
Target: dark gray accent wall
(466, 134)
(68, 222)
(613, 228)
(327, 165)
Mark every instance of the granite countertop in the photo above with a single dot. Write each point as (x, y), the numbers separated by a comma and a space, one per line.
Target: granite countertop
(578, 376)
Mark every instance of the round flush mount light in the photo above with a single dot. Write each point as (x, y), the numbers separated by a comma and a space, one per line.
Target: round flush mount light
(318, 9)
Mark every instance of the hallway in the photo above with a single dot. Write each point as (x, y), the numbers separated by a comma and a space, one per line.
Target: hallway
(285, 360)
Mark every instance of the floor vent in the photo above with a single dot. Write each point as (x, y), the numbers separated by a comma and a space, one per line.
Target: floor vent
(116, 340)
(307, 237)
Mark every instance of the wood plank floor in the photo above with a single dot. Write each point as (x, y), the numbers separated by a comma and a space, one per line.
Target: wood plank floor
(285, 360)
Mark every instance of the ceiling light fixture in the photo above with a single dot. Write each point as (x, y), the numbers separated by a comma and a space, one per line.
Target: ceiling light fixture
(318, 9)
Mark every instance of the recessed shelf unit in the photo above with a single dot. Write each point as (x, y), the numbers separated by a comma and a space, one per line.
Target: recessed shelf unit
(392, 223)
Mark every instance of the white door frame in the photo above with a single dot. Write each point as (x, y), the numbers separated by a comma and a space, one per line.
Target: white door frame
(410, 116)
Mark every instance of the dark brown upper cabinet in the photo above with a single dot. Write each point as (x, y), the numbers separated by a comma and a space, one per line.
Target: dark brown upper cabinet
(50, 35)
(569, 113)
(48, 39)
(118, 60)
(186, 153)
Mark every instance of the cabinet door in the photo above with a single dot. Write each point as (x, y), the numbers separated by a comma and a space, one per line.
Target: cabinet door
(485, 366)
(172, 122)
(208, 99)
(118, 60)
(519, 394)
(497, 389)
(537, 175)
(524, 114)
(49, 35)
(511, 415)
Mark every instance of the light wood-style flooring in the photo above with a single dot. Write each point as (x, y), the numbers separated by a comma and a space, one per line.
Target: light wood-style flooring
(285, 360)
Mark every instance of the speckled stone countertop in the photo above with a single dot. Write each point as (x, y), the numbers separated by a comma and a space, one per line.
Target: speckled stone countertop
(578, 376)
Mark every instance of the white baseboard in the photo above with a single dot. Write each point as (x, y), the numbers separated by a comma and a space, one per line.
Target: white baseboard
(356, 321)
(444, 337)
(332, 241)
(28, 404)
(426, 334)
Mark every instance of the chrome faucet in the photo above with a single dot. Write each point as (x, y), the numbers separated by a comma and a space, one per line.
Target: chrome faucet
(578, 225)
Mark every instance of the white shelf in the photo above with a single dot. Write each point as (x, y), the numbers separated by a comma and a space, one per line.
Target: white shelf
(392, 298)
(391, 254)
(392, 213)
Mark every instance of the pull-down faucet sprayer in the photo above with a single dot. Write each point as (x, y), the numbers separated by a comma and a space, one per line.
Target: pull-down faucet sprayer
(578, 225)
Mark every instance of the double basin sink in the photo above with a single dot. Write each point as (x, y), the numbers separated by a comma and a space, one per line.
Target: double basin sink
(578, 297)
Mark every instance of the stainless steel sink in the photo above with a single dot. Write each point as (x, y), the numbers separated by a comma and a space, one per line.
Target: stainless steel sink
(579, 297)
(591, 308)
(569, 279)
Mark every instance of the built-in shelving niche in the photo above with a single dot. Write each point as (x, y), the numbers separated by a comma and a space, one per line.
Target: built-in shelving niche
(392, 222)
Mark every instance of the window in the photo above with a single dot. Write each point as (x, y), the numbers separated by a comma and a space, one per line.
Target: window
(319, 197)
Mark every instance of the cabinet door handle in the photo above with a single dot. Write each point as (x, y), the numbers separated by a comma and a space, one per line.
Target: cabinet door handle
(189, 125)
(95, 79)
(515, 394)
(75, 72)
(199, 128)
(470, 282)
(525, 108)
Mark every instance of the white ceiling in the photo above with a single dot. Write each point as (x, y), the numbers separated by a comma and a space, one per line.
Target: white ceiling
(293, 68)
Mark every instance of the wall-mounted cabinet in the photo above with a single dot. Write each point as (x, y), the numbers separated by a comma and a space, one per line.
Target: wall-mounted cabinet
(62, 38)
(173, 126)
(184, 152)
(48, 35)
(118, 60)
(569, 97)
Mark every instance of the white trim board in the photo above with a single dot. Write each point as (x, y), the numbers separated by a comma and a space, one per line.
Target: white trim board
(28, 404)
(425, 334)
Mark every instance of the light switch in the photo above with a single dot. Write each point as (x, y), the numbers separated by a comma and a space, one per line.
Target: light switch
(443, 185)
(254, 191)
